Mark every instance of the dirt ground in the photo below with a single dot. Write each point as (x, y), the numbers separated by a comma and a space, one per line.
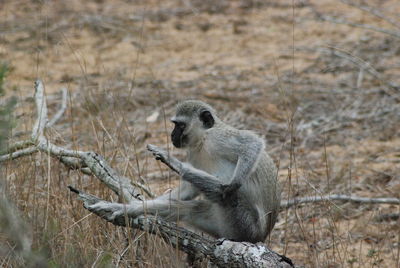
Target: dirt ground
(319, 80)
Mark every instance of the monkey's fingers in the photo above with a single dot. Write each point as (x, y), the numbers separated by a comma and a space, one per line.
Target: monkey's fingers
(163, 156)
(158, 153)
(154, 149)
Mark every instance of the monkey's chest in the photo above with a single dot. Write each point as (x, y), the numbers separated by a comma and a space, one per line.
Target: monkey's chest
(221, 168)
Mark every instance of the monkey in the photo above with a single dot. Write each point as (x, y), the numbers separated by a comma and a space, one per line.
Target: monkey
(229, 186)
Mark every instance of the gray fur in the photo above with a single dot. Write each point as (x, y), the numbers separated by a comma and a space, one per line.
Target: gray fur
(228, 171)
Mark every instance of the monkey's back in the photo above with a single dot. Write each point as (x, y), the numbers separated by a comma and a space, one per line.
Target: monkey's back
(267, 195)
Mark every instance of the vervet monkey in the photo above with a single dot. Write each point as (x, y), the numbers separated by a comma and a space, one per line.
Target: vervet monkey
(229, 185)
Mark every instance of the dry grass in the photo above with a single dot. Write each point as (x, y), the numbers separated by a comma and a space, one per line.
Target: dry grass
(330, 115)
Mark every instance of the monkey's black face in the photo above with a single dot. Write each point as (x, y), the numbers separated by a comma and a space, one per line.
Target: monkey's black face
(179, 140)
(188, 129)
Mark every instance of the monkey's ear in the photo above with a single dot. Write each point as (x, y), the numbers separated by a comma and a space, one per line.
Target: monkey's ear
(207, 119)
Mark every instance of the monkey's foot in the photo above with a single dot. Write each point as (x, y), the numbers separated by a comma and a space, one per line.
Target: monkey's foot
(111, 211)
(164, 157)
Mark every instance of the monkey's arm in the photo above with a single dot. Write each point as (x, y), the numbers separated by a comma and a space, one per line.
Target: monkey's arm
(209, 185)
(185, 191)
(244, 148)
(248, 151)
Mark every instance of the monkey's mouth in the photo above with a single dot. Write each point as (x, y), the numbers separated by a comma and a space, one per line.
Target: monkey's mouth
(181, 142)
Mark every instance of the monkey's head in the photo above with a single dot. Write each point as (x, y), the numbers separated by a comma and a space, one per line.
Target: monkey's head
(193, 118)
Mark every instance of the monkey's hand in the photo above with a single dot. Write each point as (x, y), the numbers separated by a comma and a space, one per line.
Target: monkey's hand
(228, 193)
(164, 157)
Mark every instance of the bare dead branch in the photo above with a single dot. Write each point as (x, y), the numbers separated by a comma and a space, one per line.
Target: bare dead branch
(18, 154)
(17, 146)
(76, 163)
(222, 253)
(343, 198)
(94, 162)
(41, 111)
(63, 107)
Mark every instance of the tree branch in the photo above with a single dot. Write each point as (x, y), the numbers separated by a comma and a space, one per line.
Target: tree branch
(223, 253)
(63, 107)
(41, 111)
(18, 154)
(343, 198)
(94, 162)
(17, 146)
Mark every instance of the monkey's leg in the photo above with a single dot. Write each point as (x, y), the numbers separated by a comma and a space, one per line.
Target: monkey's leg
(201, 214)
(168, 209)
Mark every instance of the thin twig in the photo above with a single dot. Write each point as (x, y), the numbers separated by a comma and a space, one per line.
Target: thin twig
(18, 154)
(344, 198)
(62, 109)
(17, 146)
(41, 111)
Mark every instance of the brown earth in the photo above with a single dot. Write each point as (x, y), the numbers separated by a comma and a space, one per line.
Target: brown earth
(262, 64)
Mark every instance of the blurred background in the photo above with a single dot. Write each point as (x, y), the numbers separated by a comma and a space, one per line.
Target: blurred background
(319, 80)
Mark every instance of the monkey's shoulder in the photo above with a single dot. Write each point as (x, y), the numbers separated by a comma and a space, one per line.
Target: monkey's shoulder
(233, 135)
(232, 141)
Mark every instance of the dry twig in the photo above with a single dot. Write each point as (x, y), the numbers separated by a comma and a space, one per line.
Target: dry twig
(343, 198)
